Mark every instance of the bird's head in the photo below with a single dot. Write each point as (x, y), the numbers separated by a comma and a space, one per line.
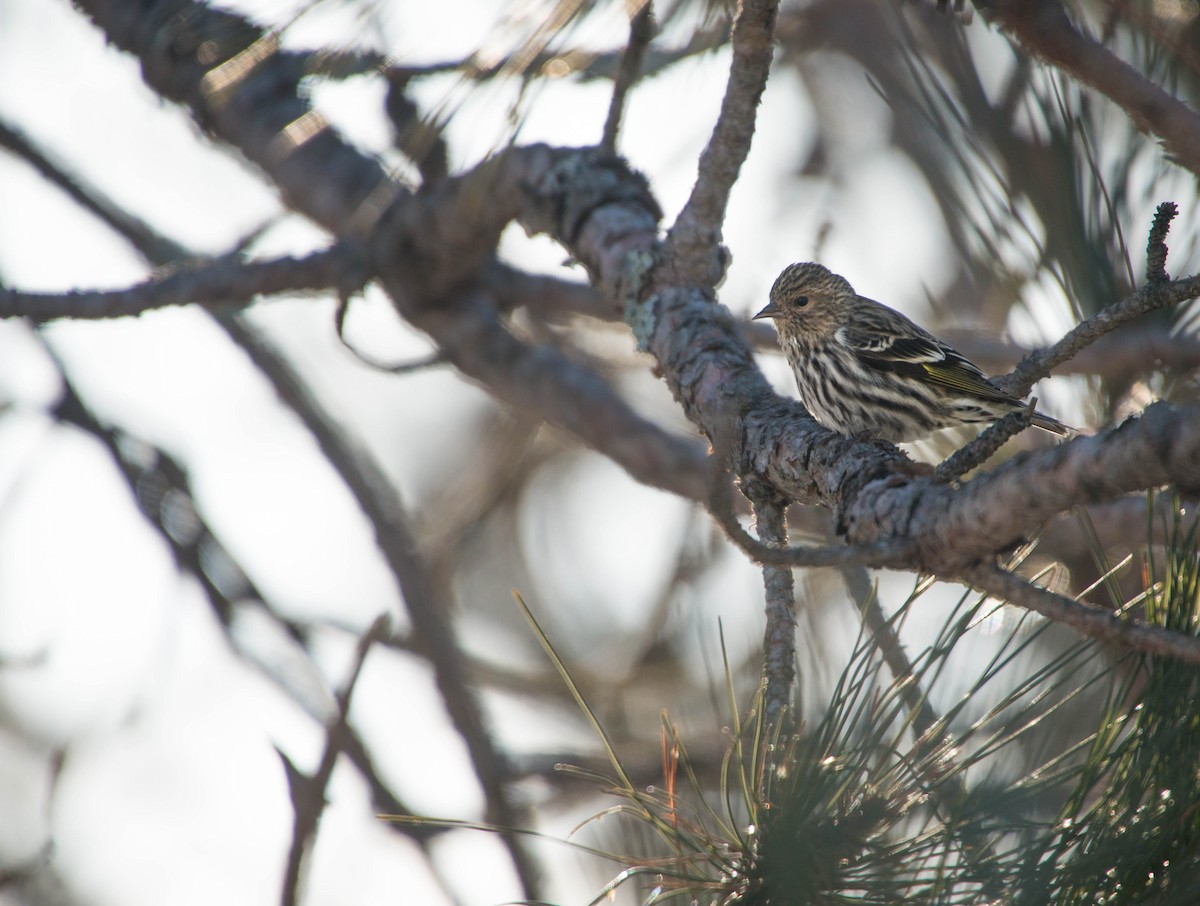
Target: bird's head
(808, 299)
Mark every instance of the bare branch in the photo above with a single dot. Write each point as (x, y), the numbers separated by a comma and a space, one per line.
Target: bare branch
(1132, 352)
(1041, 362)
(770, 552)
(152, 247)
(308, 793)
(1157, 293)
(1005, 506)
(696, 236)
(984, 447)
(641, 33)
(223, 283)
(417, 137)
(1044, 29)
(779, 639)
(426, 598)
(1086, 619)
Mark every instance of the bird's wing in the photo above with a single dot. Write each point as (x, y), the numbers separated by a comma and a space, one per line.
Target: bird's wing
(888, 341)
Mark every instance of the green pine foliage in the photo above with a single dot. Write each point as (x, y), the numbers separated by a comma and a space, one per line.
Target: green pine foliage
(874, 801)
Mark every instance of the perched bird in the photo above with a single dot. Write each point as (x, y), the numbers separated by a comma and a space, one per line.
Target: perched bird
(864, 368)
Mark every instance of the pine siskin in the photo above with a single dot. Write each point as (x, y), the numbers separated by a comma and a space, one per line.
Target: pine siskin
(864, 368)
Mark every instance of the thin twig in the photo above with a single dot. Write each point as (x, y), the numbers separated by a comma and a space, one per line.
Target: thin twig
(721, 506)
(151, 246)
(427, 599)
(1041, 362)
(641, 33)
(308, 793)
(984, 447)
(1094, 622)
(584, 65)
(437, 357)
(224, 283)
(415, 135)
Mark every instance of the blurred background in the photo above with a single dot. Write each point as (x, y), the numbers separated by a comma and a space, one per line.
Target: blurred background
(160, 676)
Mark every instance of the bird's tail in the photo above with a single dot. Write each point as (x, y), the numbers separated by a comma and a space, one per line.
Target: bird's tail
(1053, 425)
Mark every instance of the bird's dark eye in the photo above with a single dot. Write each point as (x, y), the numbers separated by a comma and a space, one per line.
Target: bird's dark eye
(801, 301)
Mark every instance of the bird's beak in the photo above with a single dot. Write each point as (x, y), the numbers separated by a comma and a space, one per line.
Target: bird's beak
(771, 311)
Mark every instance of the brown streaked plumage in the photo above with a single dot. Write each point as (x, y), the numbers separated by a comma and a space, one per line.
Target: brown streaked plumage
(864, 368)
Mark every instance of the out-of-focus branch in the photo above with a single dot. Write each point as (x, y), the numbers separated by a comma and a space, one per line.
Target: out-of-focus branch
(1044, 29)
(223, 283)
(162, 491)
(427, 598)
(417, 137)
(695, 238)
(641, 33)
(584, 65)
(89, 198)
(1111, 522)
(549, 298)
(308, 793)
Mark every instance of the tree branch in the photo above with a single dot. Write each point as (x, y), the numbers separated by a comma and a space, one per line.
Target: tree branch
(1003, 507)
(308, 793)
(1087, 619)
(222, 283)
(427, 600)
(431, 253)
(1041, 362)
(877, 495)
(1043, 28)
(779, 639)
(641, 32)
(696, 235)
(427, 249)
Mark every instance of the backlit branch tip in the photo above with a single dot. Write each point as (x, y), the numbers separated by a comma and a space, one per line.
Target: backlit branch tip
(1159, 292)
